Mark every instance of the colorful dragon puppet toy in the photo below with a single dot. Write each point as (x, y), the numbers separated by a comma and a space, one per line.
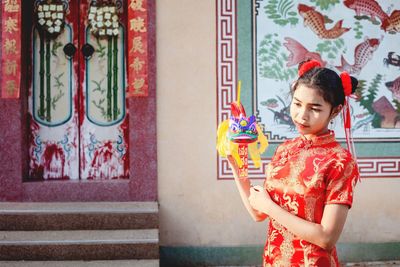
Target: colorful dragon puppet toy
(239, 136)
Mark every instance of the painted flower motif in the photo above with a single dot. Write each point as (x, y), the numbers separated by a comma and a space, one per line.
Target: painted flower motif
(104, 20)
(50, 17)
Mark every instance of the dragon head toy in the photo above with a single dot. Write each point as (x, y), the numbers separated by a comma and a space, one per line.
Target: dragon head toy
(243, 129)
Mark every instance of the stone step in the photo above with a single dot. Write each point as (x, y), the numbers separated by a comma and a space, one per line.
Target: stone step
(111, 263)
(79, 245)
(78, 216)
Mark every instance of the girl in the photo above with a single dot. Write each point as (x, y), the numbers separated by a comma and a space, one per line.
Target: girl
(309, 182)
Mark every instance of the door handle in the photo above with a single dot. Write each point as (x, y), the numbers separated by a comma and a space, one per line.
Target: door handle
(69, 50)
(87, 51)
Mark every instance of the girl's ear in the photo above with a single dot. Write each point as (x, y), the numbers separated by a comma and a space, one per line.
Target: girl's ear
(336, 111)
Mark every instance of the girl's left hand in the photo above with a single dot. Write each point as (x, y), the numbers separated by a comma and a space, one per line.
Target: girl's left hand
(259, 198)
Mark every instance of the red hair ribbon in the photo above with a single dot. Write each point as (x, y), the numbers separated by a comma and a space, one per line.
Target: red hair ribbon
(346, 82)
(347, 88)
(306, 66)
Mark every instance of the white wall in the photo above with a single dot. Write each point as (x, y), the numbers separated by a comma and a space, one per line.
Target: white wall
(195, 208)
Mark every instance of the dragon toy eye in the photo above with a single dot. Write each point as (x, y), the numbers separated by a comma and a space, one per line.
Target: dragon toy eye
(234, 127)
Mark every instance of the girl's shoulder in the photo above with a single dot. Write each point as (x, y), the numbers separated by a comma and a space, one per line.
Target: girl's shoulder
(341, 153)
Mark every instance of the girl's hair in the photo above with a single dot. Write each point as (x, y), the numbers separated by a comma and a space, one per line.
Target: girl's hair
(326, 81)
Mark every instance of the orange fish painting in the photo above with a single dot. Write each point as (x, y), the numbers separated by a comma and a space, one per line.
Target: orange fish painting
(299, 53)
(370, 8)
(392, 23)
(315, 21)
(362, 54)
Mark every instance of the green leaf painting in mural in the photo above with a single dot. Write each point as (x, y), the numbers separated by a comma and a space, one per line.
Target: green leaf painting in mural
(364, 17)
(54, 48)
(325, 4)
(98, 86)
(58, 83)
(100, 49)
(100, 107)
(56, 98)
(358, 29)
(331, 48)
(367, 98)
(272, 59)
(397, 105)
(281, 12)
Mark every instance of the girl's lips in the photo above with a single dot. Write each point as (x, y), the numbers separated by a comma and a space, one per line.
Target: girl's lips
(302, 126)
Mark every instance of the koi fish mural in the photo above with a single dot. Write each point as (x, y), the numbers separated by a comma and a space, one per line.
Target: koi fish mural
(316, 22)
(362, 54)
(299, 53)
(370, 8)
(392, 23)
(394, 87)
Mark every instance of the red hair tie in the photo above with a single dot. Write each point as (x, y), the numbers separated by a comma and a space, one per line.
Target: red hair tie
(346, 83)
(305, 67)
(347, 88)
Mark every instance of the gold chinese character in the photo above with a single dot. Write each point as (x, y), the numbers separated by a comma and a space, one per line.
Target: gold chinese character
(137, 65)
(137, 45)
(10, 46)
(11, 86)
(10, 67)
(137, 5)
(137, 25)
(11, 25)
(11, 6)
(138, 86)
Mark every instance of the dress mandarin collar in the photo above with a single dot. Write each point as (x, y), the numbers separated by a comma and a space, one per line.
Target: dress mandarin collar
(316, 140)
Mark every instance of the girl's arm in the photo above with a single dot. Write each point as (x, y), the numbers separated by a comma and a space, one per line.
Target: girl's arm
(243, 185)
(324, 234)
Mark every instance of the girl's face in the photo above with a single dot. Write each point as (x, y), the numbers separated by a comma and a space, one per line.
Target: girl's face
(310, 112)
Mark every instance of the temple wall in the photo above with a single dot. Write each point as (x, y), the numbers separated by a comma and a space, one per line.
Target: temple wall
(196, 208)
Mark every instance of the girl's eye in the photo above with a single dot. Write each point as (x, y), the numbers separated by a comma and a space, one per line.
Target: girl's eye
(297, 104)
(316, 110)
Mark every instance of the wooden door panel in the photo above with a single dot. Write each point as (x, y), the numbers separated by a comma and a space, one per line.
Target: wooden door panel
(79, 121)
(104, 128)
(54, 150)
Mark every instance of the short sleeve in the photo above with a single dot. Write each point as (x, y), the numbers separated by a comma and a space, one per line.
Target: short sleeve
(341, 180)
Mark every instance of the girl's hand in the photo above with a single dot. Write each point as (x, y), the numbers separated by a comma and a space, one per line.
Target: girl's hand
(259, 199)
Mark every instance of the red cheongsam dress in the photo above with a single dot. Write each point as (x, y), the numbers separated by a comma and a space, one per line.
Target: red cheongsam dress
(302, 177)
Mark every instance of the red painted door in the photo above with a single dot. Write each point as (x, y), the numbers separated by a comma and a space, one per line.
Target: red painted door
(77, 105)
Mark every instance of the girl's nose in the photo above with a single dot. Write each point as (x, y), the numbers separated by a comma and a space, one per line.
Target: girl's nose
(303, 115)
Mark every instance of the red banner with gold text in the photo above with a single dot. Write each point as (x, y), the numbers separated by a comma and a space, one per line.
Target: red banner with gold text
(11, 48)
(137, 48)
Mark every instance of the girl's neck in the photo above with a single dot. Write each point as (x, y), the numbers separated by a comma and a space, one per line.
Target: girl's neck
(313, 136)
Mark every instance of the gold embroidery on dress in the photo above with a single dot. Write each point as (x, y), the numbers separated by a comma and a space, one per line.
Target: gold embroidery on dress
(310, 208)
(307, 248)
(291, 205)
(299, 171)
(287, 248)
